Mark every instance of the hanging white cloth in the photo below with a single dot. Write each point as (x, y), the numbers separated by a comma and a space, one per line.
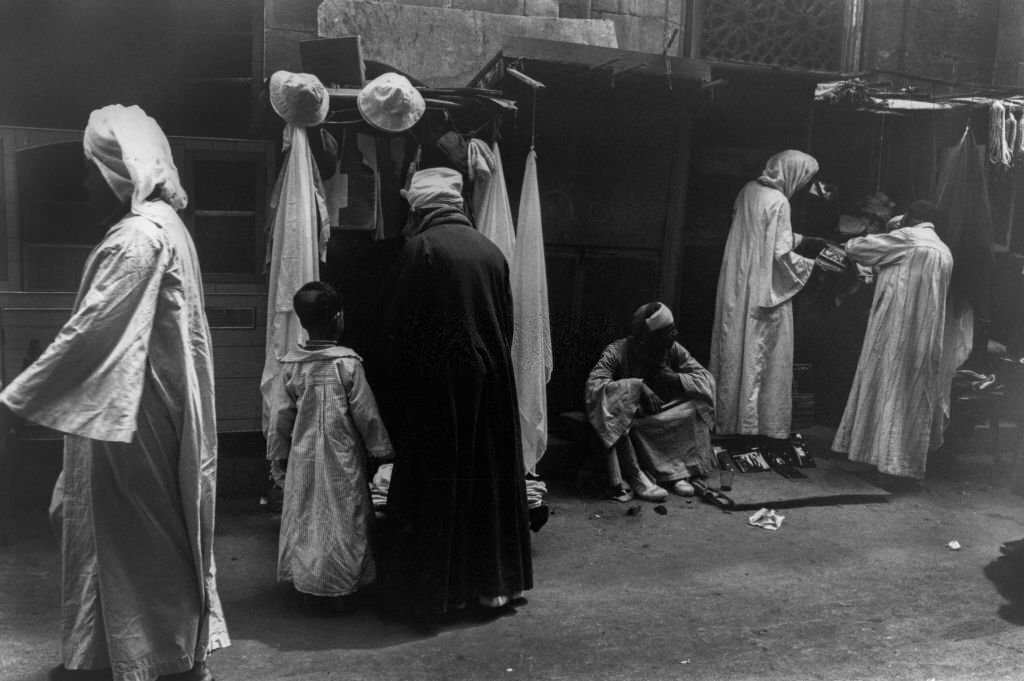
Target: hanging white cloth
(531, 337)
(297, 207)
(491, 208)
(957, 344)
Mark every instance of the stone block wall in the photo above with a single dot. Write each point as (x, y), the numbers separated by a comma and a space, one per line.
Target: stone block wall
(640, 25)
(285, 24)
(952, 40)
(1008, 69)
(446, 47)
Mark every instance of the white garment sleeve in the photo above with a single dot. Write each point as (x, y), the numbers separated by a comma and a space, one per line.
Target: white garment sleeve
(282, 412)
(89, 381)
(878, 250)
(363, 408)
(789, 271)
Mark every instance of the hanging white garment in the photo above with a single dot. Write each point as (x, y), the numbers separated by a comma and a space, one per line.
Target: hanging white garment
(752, 338)
(531, 336)
(296, 207)
(957, 344)
(491, 209)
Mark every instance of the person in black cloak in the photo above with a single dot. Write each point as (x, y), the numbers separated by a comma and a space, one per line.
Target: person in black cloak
(458, 537)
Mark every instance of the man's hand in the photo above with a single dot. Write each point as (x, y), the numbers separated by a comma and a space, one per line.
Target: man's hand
(811, 246)
(649, 402)
(665, 382)
(277, 472)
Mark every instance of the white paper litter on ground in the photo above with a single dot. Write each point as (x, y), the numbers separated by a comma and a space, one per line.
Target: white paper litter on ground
(766, 519)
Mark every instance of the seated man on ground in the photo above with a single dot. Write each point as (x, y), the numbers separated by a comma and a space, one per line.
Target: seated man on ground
(652, 405)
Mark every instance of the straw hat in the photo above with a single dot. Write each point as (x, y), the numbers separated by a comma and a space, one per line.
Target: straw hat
(390, 103)
(299, 98)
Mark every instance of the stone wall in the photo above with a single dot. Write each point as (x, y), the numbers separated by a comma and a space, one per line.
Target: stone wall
(446, 47)
(285, 23)
(640, 25)
(1008, 69)
(952, 40)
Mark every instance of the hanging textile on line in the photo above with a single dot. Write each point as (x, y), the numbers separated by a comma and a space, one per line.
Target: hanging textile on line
(1000, 143)
(531, 339)
(297, 209)
(491, 209)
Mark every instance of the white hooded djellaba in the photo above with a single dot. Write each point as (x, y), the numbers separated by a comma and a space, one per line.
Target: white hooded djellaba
(752, 338)
(129, 380)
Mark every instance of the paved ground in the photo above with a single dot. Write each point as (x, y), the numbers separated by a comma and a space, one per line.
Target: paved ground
(866, 591)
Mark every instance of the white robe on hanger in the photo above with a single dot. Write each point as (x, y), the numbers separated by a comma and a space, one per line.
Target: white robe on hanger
(531, 337)
(298, 207)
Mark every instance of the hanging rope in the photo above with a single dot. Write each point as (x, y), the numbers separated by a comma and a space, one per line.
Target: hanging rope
(1012, 134)
(881, 151)
(533, 120)
(534, 85)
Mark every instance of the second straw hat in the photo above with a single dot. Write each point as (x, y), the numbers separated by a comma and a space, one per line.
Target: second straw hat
(299, 98)
(390, 103)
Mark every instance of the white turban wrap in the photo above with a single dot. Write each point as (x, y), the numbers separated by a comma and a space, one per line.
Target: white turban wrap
(661, 318)
(434, 187)
(788, 171)
(651, 317)
(132, 153)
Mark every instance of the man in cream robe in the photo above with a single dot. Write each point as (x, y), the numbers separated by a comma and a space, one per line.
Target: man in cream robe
(129, 381)
(752, 337)
(893, 417)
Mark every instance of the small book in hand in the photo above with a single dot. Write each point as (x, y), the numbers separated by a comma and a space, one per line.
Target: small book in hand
(832, 258)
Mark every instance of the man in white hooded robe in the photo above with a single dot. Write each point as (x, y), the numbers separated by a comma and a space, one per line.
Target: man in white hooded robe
(129, 381)
(752, 337)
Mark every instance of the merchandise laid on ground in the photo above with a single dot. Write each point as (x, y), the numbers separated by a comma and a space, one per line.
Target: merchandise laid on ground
(786, 476)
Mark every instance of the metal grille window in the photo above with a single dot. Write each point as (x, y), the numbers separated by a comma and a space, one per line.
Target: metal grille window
(792, 33)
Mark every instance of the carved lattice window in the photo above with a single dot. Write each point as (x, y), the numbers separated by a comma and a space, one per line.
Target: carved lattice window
(793, 33)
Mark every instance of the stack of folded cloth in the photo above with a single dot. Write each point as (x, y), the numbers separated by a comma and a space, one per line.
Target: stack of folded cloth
(535, 491)
(379, 486)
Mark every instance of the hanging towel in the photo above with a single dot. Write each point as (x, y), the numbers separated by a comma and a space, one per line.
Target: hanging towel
(531, 339)
(480, 168)
(491, 210)
(999, 150)
(297, 207)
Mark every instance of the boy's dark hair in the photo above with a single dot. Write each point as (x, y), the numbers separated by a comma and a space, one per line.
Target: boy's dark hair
(316, 303)
(922, 211)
